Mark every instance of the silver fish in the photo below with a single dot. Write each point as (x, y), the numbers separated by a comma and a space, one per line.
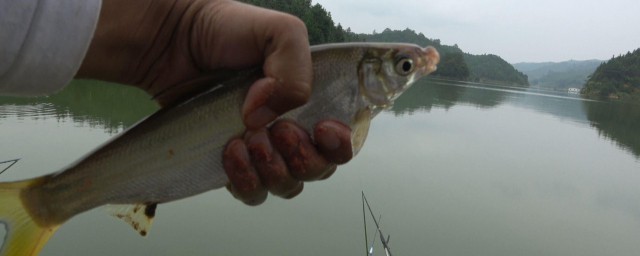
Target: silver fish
(176, 152)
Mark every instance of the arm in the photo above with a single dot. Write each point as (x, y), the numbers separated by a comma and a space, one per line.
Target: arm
(42, 43)
(160, 44)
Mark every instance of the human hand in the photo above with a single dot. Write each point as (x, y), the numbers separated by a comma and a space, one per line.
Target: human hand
(162, 45)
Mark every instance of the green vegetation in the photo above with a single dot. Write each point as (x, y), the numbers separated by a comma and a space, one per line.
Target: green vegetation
(452, 64)
(319, 23)
(558, 75)
(618, 121)
(455, 64)
(489, 68)
(618, 78)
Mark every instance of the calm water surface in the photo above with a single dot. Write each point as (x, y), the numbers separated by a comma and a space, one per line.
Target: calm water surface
(454, 170)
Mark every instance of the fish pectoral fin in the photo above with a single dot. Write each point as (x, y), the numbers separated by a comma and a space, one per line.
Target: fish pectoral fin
(139, 216)
(360, 130)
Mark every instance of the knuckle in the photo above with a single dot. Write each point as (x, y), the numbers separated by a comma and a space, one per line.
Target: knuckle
(302, 158)
(291, 24)
(298, 92)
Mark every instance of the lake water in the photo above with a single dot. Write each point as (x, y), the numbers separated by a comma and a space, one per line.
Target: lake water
(454, 169)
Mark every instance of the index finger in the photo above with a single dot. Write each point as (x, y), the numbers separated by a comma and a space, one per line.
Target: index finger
(287, 69)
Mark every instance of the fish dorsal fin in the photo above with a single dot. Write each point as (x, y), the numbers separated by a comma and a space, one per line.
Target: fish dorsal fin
(139, 216)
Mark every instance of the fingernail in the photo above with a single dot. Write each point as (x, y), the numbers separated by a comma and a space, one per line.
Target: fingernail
(330, 171)
(260, 117)
(328, 137)
(295, 192)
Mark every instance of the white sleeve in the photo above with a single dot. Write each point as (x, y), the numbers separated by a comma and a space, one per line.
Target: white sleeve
(43, 43)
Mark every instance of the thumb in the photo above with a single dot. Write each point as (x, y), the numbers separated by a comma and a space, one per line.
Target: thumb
(288, 73)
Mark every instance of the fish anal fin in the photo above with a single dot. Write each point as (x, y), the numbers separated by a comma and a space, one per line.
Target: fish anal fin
(139, 216)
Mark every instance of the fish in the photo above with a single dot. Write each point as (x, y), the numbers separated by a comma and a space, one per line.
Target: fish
(176, 152)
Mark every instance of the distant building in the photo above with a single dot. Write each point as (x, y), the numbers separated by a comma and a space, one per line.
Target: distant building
(574, 90)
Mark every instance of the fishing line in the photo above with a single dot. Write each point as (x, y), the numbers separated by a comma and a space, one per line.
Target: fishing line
(12, 162)
(504, 88)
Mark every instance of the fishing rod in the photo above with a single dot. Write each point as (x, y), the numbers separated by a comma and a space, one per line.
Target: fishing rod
(12, 162)
(373, 240)
(385, 242)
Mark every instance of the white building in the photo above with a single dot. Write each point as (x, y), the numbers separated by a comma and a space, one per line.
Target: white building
(574, 90)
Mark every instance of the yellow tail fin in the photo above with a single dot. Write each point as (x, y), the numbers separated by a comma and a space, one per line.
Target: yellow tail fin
(22, 235)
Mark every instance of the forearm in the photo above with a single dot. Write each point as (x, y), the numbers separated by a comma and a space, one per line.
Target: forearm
(130, 39)
(162, 45)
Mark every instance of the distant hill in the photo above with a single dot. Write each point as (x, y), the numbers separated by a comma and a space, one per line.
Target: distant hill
(454, 63)
(490, 68)
(558, 75)
(617, 78)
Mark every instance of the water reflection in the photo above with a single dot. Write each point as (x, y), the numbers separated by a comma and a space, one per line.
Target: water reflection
(615, 121)
(429, 93)
(113, 108)
(100, 104)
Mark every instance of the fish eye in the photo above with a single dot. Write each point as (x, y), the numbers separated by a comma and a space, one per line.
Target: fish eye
(404, 66)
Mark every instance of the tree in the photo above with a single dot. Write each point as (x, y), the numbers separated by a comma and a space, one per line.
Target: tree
(452, 65)
(617, 78)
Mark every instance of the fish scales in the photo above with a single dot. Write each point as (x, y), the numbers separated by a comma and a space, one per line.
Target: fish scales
(177, 152)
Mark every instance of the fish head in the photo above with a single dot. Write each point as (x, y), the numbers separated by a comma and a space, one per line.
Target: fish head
(388, 70)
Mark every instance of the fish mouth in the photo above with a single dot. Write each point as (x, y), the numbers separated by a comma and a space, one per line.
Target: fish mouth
(429, 59)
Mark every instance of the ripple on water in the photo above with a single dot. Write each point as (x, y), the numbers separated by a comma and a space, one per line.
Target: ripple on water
(37, 110)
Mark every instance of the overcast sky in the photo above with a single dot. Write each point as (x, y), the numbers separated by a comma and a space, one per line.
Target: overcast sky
(517, 30)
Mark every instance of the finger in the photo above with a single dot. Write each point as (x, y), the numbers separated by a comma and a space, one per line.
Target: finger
(287, 67)
(301, 156)
(295, 192)
(244, 182)
(237, 36)
(270, 166)
(334, 141)
(331, 170)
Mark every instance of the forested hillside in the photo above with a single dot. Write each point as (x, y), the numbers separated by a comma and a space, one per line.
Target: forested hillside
(618, 78)
(489, 68)
(454, 64)
(319, 23)
(559, 75)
